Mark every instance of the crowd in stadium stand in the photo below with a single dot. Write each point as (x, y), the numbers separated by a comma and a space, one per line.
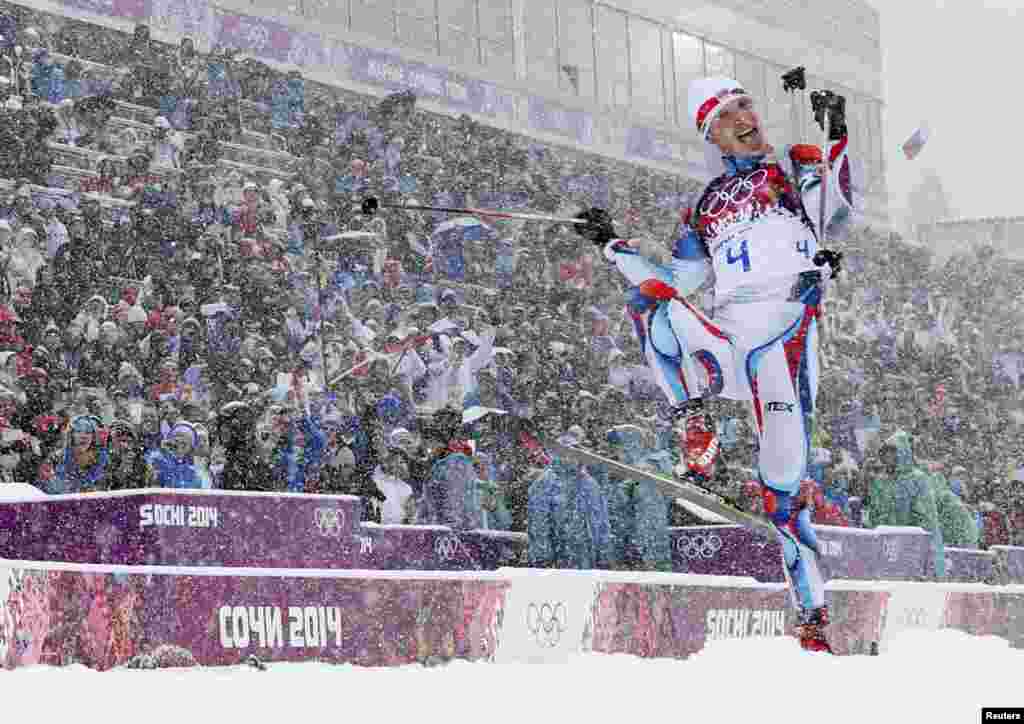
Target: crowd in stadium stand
(181, 275)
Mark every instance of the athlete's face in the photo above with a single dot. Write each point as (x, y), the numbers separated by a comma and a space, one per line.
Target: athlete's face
(737, 130)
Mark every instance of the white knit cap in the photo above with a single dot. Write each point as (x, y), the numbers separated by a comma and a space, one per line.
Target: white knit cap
(706, 99)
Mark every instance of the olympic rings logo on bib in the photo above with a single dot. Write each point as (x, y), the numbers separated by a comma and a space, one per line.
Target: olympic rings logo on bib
(736, 192)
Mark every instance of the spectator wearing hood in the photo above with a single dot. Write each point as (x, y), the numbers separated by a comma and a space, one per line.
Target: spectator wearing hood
(902, 495)
(166, 388)
(56, 231)
(69, 129)
(390, 476)
(638, 512)
(102, 358)
(287, 104)
(47, 77)
(173, 465)
(266, 368)
(127, 468)
(236, 435)
(83, 466)
(959, 528)
(10, 339)
(37, 158)
(190, 344)
(569, 525)
(165, 151)
(23, 212)
(13, 447)
(140, 60)
(25, 259)
(130, 382)
(300, 446)
(187, 71)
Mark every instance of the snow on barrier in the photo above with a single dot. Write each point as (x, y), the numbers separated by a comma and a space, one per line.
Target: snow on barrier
(224, 528)
(107, 616)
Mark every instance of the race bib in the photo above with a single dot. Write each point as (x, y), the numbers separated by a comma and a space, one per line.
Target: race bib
(771, 247)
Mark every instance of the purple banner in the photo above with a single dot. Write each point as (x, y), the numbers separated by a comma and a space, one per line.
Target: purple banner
(677, 621)
(905, 555)
(851, 553)
(725, 550)
(552, 118)
(436, 548)
(391, 71)
(652, 144)
(258, 36)
(1011, 562)
(503, 200)
(179, 18)
(103, 618)
(106, 619)
(184, 528)
(131, 9)
(970, 566)
(596, 189)
(188, 528)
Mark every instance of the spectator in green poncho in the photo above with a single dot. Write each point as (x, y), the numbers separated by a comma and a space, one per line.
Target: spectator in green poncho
(959, 529)
(904, 495)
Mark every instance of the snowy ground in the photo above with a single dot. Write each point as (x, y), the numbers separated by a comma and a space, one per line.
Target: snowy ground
(941, 676)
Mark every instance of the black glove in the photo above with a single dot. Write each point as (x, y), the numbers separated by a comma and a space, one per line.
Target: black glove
(598, 229)
(833, 258)
(836, 105)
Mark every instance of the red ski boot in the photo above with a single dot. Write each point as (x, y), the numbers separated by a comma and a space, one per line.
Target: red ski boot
(810, 629)
(698, 443)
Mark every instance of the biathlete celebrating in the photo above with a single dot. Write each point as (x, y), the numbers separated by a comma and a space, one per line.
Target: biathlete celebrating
(752, 233)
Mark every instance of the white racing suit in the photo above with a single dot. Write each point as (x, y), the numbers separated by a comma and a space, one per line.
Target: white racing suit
(753, 231)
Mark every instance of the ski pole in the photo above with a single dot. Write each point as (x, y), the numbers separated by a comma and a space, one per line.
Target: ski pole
(796, 80)
(371, 205)
(668, 487)
(822, 207)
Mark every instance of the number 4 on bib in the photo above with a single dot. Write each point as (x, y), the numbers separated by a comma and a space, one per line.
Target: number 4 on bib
(804, 247)
(744, 255)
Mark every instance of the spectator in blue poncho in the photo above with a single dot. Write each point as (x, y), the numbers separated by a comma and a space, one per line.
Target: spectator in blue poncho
(173, 464)
(452, 495)
(299, 449)
(84, 465)
(287, 104)
(47, 77)
(568, 517)
(641, 519)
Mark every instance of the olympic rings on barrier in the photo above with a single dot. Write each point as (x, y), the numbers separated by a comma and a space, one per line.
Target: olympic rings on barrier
(700, 545)
(447, 547)
(547, 622)
(330, 521)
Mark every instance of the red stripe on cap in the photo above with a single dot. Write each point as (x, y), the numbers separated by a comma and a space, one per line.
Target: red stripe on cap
(709, 105)
(712, 103)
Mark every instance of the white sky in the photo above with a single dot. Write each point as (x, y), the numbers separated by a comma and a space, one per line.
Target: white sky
(956, 65)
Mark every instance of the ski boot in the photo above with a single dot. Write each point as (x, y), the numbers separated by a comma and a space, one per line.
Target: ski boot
(810, 629)
(698, 443)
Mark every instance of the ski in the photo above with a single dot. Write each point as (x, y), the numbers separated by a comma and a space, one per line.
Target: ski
(668, 487)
